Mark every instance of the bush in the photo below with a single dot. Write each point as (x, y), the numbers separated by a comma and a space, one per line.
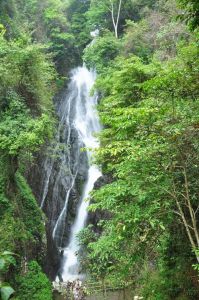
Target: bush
(32, 214)
(101, 52)
(34, 284)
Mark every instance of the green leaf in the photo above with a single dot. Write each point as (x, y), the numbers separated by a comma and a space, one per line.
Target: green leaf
(6, 292)
(7, 253)
(2, 264)
(162, 227)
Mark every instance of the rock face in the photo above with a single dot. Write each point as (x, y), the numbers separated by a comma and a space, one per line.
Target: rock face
(95, 217)
(57, 179)
(64, 174)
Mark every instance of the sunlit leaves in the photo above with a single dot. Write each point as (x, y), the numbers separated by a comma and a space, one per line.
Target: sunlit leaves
(150, 114)
(99, 54)
(18, 130)
(6, 292)
(191, 12)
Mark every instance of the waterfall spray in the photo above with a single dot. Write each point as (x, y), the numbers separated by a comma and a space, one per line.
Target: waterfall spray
(86, 123)
(78, 123)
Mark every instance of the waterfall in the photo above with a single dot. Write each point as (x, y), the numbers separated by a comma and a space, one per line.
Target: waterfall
(86, 123)
(67, 169)
(68, 174)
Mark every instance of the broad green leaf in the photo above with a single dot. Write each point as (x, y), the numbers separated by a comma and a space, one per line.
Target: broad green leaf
(2, 263)
(6, 292)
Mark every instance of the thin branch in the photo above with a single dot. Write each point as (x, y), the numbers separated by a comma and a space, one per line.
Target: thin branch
(112, 13)
(185, 224)
(119, 10)
(115, 22)
(195, 212)
(177, 213)
(191, 211)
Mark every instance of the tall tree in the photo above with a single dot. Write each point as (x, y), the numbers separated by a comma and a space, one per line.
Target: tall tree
(115, 8)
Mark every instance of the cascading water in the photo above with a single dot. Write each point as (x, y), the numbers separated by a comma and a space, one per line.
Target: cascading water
(68, 173)
(86, 123)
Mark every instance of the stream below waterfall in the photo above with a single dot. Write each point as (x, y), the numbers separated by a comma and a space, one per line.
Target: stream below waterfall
(111, 295)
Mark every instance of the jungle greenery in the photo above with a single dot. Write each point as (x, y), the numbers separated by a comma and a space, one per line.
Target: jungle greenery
(149, 106)
(147, 67)
(37, 49)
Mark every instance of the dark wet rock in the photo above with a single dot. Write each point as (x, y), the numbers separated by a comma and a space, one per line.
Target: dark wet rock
(61, 170)
(95, 217)
(51, 178)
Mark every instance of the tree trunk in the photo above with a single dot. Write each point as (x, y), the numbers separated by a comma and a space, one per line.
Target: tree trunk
(116, 19)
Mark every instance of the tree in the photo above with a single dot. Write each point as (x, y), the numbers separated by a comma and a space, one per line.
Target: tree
(187, 212)
(100, 54)
(150, 137)
(115, 14)
(191, 14)
(108, 14)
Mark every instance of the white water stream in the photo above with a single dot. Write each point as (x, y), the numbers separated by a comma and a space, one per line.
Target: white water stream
(86, 122)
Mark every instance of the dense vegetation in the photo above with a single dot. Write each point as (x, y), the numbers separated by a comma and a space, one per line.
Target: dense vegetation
(37, 49)
(148, 82)
(146, 57)
(25, 123)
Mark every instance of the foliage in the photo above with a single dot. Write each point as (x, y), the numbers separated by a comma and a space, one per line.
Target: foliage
(34, 284)
(99, 13)
(32, 213)
(76, 15)
(21, 230)
(191, 13)
(100, 53)
(6, 292)
(55, 24)
(155, 33)
(6, 259)
(148, 149)
(149, 143)
(18, 130)
(4, 201)
(148, 137)
(32, 81)
(27, 85)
